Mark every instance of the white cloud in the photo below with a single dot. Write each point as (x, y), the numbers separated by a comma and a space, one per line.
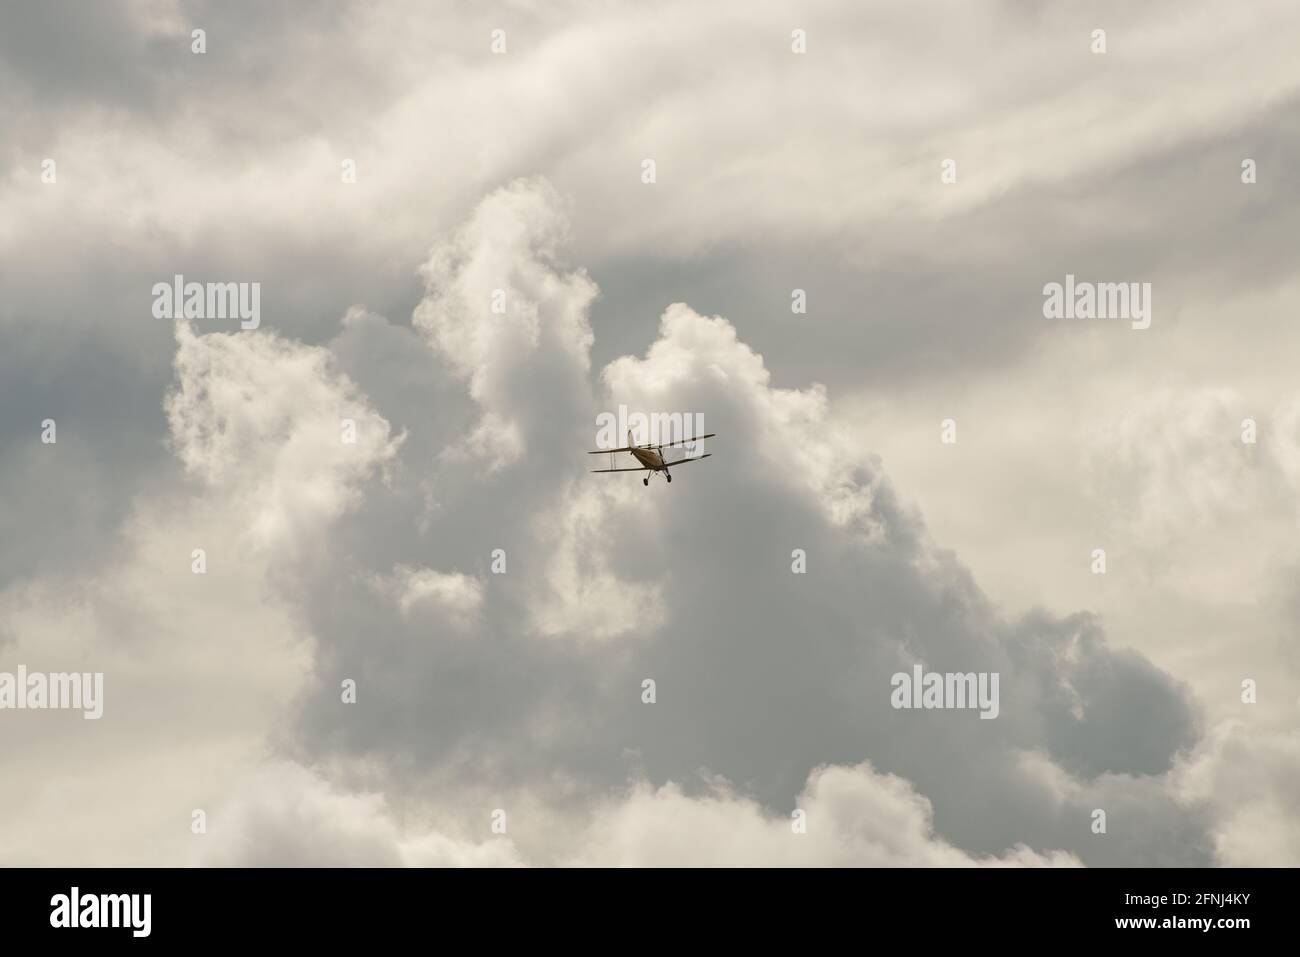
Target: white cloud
(287, 816)
(579, 595)
(261, 420)
(495, 441)
(1250, 779)
(1177, 459)
(795, 436)
(461, 596)
(498, 305)
(1281, 439)
(855, 817)
(199, 669)
(646, 82)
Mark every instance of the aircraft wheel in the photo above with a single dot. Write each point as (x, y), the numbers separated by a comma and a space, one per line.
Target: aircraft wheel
(670, 478)
(646, 480)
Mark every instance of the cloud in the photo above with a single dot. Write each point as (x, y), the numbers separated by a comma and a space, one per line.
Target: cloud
(415, 588)
(374, 560)
(287, 816)
(579, 595)
(499, 312)
(615, 583)
(718, 621)
(198, 668)
(267, 421)
(790, 429)
(854, 817)
(1178, 458)
(1283, 442)
(1250, 777)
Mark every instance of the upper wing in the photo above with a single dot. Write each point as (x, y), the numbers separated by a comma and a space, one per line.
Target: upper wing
(692, 458)
(690, 441)
(629, 448)
(639, 469)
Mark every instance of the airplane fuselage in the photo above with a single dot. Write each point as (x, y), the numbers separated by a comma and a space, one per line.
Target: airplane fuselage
(649, 458)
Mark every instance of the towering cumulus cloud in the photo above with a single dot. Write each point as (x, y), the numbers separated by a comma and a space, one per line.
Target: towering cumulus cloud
(771, 688)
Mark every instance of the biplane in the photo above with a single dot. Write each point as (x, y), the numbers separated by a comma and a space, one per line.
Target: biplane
(651, 457)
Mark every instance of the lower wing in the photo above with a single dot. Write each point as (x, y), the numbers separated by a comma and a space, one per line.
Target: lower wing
(667, 465)
(693, 458)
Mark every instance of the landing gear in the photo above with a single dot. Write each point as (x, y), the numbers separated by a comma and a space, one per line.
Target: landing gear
(669, 474)
(646, 480)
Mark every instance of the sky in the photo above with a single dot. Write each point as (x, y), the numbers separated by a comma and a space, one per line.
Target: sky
(357, 600)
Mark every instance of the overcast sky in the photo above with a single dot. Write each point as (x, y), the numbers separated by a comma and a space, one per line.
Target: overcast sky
(512, 681)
